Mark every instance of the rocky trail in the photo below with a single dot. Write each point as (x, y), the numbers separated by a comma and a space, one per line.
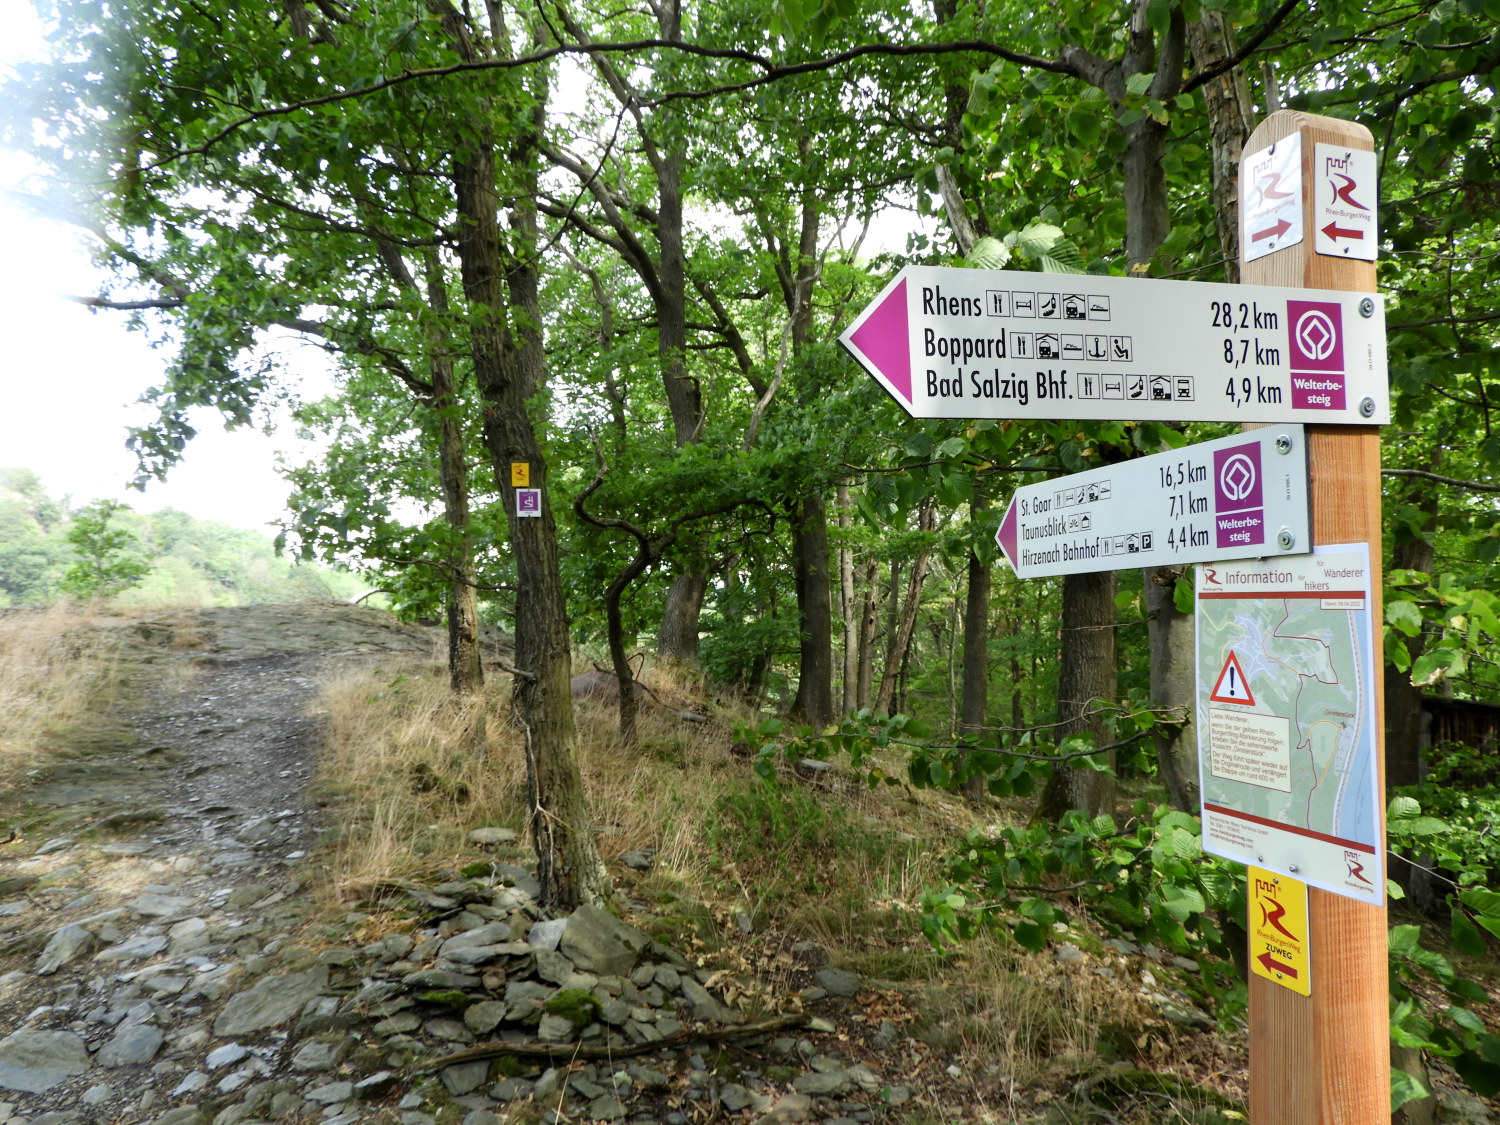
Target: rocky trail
(161, 960)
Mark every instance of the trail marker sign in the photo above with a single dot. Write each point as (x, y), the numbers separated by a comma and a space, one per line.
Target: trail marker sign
(1236, 497)
(964, 343)
(1278, 929)
(1344, 193)
(1271, 199)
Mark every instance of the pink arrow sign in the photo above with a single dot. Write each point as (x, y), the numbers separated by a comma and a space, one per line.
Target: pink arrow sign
(883, 336)
(1008, 536)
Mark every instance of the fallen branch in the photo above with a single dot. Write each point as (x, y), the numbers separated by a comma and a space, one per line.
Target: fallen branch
(567, 1052)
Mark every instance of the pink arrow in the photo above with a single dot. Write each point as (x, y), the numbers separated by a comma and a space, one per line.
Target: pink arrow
(1335, 232)
(1006, 536)
(884, 339)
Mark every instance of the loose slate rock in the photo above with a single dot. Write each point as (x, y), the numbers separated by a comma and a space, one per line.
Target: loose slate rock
(132, 1045)
(34, 1061)
(838, 982)
(598, 942)
(64, 945)
(492, 837)
(270, 1001)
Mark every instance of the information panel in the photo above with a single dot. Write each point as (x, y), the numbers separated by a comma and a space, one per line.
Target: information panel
(1287, 735)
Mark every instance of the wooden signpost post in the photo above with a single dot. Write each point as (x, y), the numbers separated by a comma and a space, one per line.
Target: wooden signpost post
(1325, 1058)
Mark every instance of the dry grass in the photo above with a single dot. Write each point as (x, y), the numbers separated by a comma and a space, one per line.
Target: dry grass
(827, 861)
(57, 674)
(410, 780)
(407, 775)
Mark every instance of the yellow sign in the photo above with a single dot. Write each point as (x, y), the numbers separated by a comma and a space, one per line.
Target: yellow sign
(1278, 930)
(520, 474)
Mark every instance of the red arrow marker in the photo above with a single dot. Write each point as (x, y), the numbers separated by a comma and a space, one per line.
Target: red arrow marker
(1274, 966)
(1280, 228)
(1006, 536)
(1336, 232)
(884, 338)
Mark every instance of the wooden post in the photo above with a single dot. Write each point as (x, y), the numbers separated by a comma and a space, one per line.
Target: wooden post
(1325, 1059)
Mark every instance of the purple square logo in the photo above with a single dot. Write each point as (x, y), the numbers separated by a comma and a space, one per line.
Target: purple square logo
(1315, 330)
(528, 501)
(1239, 511)
(1237, 478)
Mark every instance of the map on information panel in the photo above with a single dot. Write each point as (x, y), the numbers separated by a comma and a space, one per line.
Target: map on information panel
(1286, 718)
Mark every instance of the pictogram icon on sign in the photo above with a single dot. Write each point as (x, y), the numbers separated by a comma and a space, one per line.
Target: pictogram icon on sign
(1232, 686)
(1237, 477)
(1316, 334)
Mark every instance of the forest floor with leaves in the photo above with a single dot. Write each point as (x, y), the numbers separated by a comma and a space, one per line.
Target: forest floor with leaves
(309, 756)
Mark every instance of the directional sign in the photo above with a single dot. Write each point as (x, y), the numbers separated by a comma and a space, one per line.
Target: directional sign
(1344, 191)
(1237, 497)
(1271, 199)
(1278, 929)
(961, 343)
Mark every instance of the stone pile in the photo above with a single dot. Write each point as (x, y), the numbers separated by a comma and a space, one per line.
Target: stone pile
(187, 1004)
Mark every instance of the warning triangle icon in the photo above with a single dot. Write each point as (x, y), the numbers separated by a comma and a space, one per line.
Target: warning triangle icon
(1232, 686)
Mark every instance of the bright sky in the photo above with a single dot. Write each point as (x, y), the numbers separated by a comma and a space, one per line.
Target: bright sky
(71, 376)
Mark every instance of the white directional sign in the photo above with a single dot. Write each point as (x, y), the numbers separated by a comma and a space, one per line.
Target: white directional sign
(963, 343)
(1271, 199)
(1239, 497)
(1344, 191)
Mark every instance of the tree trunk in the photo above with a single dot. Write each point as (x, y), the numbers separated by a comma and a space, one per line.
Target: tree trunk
(678, 639)
(814, 702)
(907, 622)
(848, 606)
(869, 615)
(1086, 674)
(1171, 640)
(976, 675)
(1173, 686)
(509, 367)
(1404, 734)
(465, 672)
(1231, 118)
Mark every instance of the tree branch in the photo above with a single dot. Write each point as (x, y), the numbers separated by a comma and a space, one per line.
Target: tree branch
(1469, 485)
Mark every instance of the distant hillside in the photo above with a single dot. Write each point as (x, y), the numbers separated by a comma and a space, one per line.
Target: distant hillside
(192, 562)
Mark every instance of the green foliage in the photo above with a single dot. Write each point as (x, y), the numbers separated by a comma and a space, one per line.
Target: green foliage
(165, 558)
(110, 559)
(1455, 1032)
(1458, 627)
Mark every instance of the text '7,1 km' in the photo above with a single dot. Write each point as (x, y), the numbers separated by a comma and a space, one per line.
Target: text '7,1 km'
(962, 343)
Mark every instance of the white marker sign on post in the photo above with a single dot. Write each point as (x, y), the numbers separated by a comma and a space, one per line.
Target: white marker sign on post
(1271, 199)
(1234, 498)
(961, 343)
(1344, 193)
